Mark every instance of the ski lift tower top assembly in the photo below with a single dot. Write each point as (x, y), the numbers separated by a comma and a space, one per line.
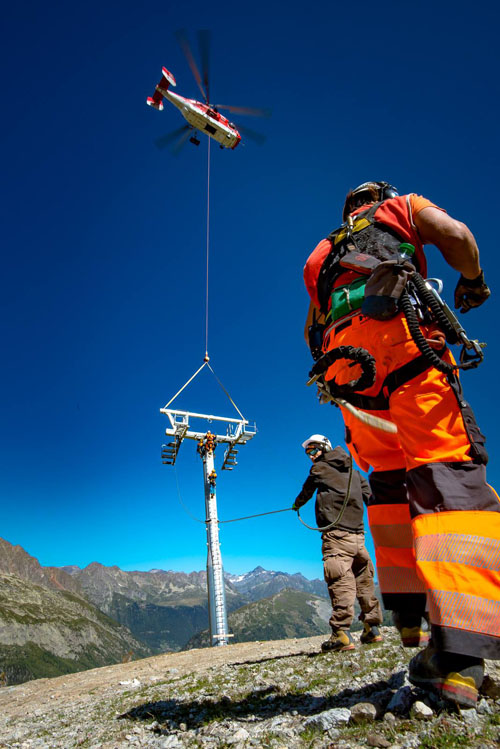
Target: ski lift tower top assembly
(238, 433)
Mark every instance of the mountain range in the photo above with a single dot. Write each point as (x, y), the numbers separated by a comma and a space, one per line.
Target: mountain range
(166, 609)
(288, 613)
(56, 620)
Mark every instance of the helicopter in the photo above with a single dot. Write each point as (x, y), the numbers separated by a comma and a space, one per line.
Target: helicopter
(202, 117)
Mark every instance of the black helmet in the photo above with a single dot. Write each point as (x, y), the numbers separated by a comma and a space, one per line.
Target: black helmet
(368, 192)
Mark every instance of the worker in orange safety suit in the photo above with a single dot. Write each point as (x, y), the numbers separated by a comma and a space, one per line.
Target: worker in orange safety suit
(435, 521)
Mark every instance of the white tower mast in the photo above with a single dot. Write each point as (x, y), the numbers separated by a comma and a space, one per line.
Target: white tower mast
(239, 432)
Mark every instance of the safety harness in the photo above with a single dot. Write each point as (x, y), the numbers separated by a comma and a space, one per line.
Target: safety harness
(420, 303)
(363, 235)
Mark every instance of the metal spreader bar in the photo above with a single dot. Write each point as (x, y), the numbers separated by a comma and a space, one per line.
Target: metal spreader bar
(238, 432)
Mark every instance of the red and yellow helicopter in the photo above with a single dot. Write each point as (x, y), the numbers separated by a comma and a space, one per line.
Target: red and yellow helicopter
(202, 117)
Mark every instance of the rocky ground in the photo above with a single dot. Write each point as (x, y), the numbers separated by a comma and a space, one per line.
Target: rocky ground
(282, 694)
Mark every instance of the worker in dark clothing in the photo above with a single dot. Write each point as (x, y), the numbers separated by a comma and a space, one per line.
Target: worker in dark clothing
(348, 569)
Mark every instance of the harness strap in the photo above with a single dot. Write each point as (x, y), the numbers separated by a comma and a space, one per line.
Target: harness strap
(392, 382)
(404, 374)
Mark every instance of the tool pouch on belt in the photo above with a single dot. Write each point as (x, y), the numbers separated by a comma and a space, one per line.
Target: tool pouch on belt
(346, 299)
(384, 288)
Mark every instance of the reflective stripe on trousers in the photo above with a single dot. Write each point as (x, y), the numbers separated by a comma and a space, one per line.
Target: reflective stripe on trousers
(458, 556)
(391, 529)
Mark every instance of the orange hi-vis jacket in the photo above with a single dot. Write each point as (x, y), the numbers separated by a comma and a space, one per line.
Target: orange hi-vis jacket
(434, 519)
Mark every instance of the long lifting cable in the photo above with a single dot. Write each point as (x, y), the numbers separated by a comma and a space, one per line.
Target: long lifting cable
(206, 358)
(208, 252)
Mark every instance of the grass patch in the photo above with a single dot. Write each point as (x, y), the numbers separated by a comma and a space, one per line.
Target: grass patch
(309, 734)
(440, 738)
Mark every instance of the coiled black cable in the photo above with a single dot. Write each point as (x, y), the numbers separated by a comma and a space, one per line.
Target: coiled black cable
(359, 356)
(427, 297)
(416, 333)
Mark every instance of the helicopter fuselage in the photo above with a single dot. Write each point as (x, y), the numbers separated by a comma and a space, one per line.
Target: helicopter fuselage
(205, 119)
(200, 116)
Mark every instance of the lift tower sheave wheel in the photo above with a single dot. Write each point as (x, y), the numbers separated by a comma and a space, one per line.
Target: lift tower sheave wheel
(238, 432)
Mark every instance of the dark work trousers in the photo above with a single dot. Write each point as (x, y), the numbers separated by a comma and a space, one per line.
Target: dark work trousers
(349, 574)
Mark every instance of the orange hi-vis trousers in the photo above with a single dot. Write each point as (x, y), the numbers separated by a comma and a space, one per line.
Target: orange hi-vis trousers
(435, 521)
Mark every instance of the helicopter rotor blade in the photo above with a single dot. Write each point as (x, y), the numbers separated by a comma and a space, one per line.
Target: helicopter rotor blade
(252, 134)
(251, 111)
(181, 37)
(181, 142)
(204, 40)
(167, 139)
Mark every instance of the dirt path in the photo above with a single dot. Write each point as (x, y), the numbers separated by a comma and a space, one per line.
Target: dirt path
(42, 695)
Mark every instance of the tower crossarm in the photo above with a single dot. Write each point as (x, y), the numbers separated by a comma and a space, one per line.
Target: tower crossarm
(239, 431)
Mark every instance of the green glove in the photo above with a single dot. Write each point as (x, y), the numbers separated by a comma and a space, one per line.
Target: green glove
(295, 508)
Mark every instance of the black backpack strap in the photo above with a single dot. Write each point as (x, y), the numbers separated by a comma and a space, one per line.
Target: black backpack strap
(369, 214)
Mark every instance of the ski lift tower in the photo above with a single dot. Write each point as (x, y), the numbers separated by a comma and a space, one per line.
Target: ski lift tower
(238, 433)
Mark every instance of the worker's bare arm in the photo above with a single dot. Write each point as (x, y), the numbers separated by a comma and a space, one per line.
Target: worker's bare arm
(453, 238)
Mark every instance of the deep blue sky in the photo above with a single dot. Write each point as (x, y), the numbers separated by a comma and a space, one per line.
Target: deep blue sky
(104, 251)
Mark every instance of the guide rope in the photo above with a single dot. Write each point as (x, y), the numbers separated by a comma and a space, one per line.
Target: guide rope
(271, 512)
(259, 515)
(186, 509)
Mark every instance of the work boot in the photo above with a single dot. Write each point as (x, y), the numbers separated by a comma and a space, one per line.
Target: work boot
(410, 628)
(455, 678)
(339, 641)
(370, 634)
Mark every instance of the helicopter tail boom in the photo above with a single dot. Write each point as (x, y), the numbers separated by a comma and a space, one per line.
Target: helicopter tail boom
(156, 101)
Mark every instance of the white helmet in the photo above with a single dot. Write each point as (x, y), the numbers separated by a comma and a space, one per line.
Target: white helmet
(319, 439)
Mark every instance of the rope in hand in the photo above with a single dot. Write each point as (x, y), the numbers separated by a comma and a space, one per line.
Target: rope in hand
(341, 511)
(274, 512)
